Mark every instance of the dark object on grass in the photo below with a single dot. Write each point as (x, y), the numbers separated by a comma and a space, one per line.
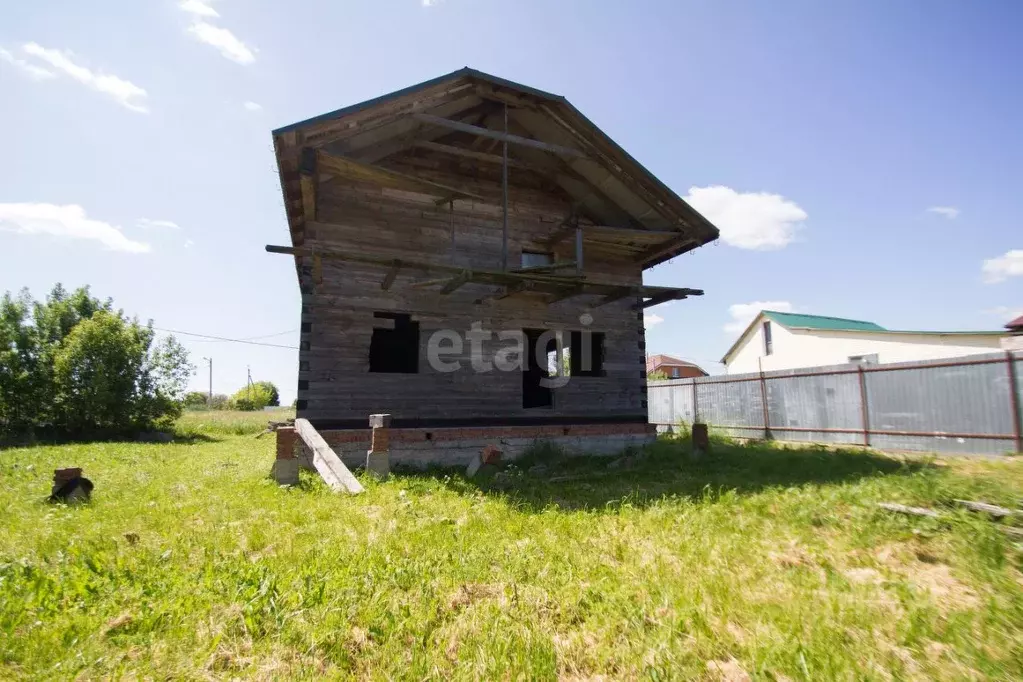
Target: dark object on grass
(77, 489)
(701, 440)
(154, 437)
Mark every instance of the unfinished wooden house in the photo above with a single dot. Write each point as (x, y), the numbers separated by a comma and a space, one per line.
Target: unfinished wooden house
(436, 228)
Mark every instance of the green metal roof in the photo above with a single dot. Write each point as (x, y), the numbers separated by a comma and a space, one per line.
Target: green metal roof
(822, 322)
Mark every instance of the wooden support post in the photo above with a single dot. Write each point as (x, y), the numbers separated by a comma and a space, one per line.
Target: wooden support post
(391, 275)
(1017, 427)
(578, 250)
(325, 461)
(864, 408)
(763, 400)
(378, 461)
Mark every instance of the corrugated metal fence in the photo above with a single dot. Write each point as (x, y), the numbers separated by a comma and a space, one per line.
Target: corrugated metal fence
(965, 405)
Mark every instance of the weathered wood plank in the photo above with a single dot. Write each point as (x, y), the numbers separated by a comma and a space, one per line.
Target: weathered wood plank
(497, 135)
(909, 511)
(326, 462)
(990, 509)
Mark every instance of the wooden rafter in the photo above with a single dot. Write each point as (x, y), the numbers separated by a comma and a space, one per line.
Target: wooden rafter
(667, 247)
(390, 178)
(497, 135)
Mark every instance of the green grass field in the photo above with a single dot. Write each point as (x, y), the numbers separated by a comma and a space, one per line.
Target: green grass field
(755, 563)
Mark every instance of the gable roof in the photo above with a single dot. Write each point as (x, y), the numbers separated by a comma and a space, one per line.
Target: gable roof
(655, 361)
(607, 187)
(1015, 325)
(799, 321)
(838, 324)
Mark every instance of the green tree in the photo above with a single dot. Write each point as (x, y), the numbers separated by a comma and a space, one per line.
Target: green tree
(255, 396)
(275, 395)
(195, 400)
(72, 365)
(110, 377)
(21, 380)
(659, 375)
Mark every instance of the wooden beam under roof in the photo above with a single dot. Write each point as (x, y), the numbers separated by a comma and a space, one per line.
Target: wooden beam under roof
(497, 135)
(389, 178)
(658, 250)
(542, 282)
(468, 153)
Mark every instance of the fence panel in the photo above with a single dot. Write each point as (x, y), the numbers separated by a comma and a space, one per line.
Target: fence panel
(732, 403)
(799, 403)
(960, 405)
(942, 409)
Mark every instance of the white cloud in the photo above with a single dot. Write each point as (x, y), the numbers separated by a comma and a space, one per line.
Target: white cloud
(748, 220)
(189, 243)
(252, 106)
(148, 224)
(950, 212)
(431, 3)
(65, 222)
(199, 8)
(31, 70)
(1004, 312)
(1009, 264)
(126, 93)
(743, 313)
(221, 38)
(649, 319)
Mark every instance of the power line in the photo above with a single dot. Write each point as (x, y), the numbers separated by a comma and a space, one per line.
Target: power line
(223, 338)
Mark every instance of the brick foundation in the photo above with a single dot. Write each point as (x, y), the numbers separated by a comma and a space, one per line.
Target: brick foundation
(422, 447)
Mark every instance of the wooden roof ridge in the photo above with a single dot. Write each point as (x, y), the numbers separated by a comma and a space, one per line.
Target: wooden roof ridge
(556, 140)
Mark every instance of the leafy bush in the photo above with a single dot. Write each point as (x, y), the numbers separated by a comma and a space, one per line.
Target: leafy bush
(73, 366)
(195, 400)
(255, 396)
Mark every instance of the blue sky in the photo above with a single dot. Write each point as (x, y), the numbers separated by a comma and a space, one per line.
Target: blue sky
(864, 159)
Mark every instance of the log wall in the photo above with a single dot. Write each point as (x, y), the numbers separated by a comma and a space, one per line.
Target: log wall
(340, 298)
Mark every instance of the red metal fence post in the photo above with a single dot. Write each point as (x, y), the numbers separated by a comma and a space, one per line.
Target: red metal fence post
(864, 408)
(1017, 429)
(763, 400)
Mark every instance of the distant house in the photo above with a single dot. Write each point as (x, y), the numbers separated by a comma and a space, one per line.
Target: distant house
(673, 368)
(1014, 341)
(776, 340)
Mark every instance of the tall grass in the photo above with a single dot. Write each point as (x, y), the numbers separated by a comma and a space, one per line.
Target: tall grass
(229, 422)
(755, 562)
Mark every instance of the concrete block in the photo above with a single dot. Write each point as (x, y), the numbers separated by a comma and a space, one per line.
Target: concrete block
(378, 463)
(377, 421)
(285, 471)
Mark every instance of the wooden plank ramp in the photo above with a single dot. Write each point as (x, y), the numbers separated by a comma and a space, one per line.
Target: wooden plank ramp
(330, 466)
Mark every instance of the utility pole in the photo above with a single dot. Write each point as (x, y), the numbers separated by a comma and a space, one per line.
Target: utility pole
(209, 402)
(248, 382)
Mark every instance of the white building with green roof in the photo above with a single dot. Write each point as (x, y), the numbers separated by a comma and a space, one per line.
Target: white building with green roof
(775, 340)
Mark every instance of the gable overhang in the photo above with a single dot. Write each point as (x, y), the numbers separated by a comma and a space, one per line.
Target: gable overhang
(739, 342)
(612, 195)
